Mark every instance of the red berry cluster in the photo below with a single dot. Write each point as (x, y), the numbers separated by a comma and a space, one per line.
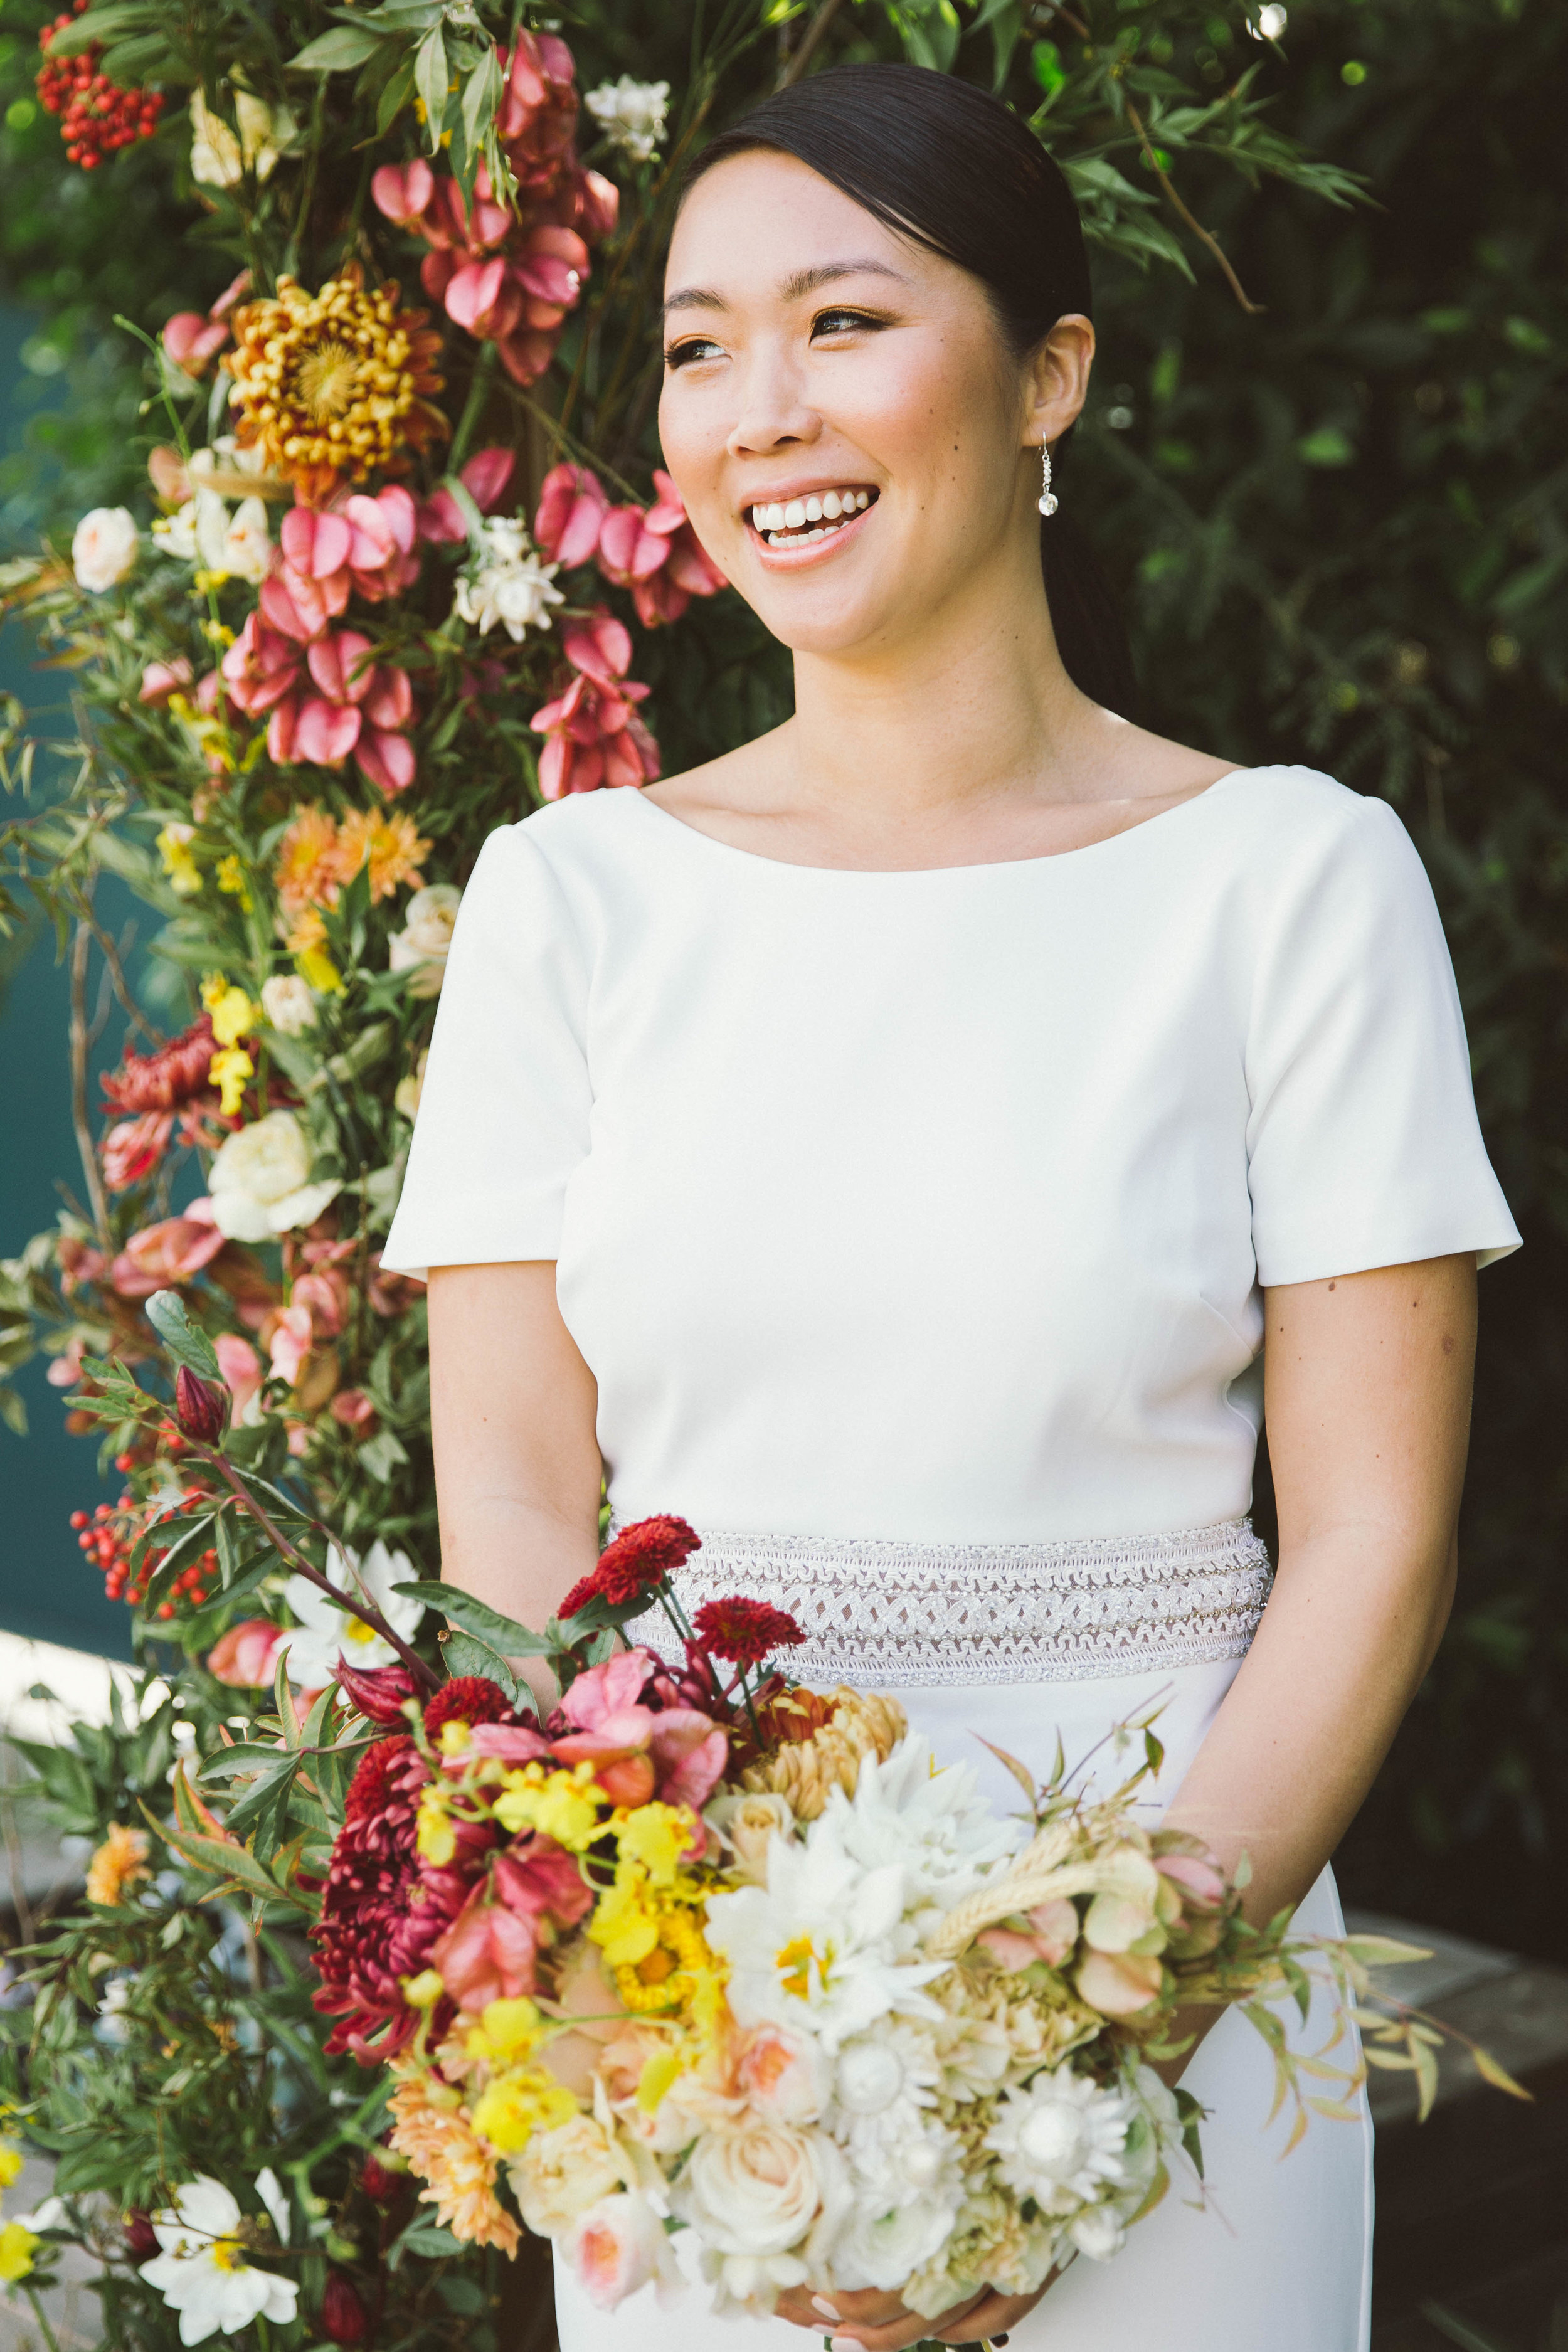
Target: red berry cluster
(98, 116)
(109, 1539)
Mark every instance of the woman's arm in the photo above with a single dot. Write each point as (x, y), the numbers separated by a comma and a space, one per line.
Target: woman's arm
(1367, 1397)
(517, 1472)
(1367, 1401)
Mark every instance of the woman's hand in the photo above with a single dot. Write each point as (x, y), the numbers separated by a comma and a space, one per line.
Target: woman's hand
(880, 2323)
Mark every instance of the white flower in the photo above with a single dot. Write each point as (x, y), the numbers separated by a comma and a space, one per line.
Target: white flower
(201, 2271)
(561, 2173)
(933, 1822)
(616, 2247)
(219, 160)
(176, 533)
(259, 1183)
(785, 2075)
(747, 1823)
(289, 1004)
(247, 550)
(1097, 2231)
(883, 2080)
(270, 2190)
(103, 548)
(631, 114)
(1062, 2141)
(895, 2227)
(325, 1631)
(766, 2201)
(406, 1093)
(422, 945)
(508, 582)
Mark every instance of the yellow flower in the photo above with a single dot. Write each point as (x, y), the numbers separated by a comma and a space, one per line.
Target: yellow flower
(625, 1923)
(424, 1990)
(334, 386)
(507, 2029)
(119, 1861)
(517, 2104)
(435, 1838)
(174, 847)
(231, 877)
(440, 2145)
(563, 1805)
(18, 2246)
(231, 1072)
(233, 1014)
(11, 2162)
(316, 967)
(656, 1836)
(393, 843)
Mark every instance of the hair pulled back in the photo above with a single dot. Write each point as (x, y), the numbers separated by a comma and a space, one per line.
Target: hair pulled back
(936, 159)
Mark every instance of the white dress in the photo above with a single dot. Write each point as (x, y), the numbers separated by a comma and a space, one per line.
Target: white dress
(913, 1227)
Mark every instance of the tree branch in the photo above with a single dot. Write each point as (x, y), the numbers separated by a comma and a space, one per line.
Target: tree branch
(1253, 309)
(815, 34)
(80, 1119)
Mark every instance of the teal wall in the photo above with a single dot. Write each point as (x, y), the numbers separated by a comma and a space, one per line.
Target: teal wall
(46, 1588)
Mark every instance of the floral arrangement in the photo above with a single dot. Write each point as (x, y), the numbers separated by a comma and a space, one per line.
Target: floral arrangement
(393, 561)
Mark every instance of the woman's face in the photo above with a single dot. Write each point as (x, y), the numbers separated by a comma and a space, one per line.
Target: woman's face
(843, 418)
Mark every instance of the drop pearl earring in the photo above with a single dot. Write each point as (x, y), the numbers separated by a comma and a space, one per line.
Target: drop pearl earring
(1048, 498)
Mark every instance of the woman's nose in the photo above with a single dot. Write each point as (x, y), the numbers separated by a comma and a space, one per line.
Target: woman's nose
(774, 415)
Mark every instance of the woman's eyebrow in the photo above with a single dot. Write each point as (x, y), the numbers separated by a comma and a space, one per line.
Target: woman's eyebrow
(803, 281)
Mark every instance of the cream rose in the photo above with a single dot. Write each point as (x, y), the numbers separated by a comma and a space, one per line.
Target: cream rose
(103, 548)
(616, 2247)
(749, 1822)
(258, 1182)
(785, 2075)
(287, 1003)
(561, 2173)
(755, 2187)
(421, 946)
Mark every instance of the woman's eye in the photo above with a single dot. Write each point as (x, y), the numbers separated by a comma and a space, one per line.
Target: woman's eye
(696, 347)
(842, 322)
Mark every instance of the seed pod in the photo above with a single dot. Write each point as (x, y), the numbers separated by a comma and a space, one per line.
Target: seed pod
(201, 1407)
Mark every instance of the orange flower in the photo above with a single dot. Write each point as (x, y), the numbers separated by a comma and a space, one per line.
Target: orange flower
(308, 871)
(441, 2147)
(119, 1861)
(393, 844)
(334, 386)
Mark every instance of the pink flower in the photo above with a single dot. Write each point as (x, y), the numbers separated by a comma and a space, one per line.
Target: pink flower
(600, 646)
(132, 1149)
(289, 1343)
(628, 551)
(190, 340)
(487, 1954)
(359, 707)
(538, 108)
(402, 191)
(571, 508)
(485, 478)
(241, 1368)
(1053, 1929)
(593, 737)
(616, 2248)
(1119, 1984)
(161, 679)
(687, 1749)
(261, 666)
(352, 1408)
(246, 1655)
(172, 1251)
(541, 1880)
(381, 561)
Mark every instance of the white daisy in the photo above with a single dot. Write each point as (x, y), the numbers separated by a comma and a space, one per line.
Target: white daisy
(201, 2270)
(324, 1632)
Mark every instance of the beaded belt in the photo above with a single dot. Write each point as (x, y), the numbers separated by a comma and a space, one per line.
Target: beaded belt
(877, 1614)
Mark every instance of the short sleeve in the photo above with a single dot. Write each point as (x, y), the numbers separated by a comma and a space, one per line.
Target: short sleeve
(1363, 1141)
(504, 1108)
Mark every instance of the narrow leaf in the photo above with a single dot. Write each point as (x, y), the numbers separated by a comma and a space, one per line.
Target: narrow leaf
(336, 52)
(502, 1634)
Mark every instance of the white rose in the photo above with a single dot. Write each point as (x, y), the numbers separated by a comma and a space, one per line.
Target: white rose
(287, 1003)
(756, 2188)
(749, 1823)
(422, 945)
(103, 548)
(560, 2173)
(258, 1182)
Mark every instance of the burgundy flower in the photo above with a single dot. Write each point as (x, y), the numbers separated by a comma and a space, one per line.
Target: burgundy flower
(381, 2187)
(640, 1557)
(141, 2238)
(744, 1632)
(378, 1694)
(382, 1909)
(343, 2317)
(201, 1407)
(166, 1078)
(467, 1698)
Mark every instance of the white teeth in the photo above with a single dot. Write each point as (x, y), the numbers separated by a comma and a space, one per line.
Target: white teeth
(813, 509)
(794, 514)
(862, 497)
(832, 506)
(785, 525)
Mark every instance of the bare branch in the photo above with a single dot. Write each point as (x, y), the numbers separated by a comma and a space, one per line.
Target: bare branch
(81, 1118)
(1253, 309)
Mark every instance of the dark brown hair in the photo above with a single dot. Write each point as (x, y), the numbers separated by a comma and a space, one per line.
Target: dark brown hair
(937, 160)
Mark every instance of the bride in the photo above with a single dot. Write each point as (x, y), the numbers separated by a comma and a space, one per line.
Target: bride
(918, 1146)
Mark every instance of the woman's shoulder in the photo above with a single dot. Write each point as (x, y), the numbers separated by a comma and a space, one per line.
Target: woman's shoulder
(1289, 821)
(582, 836)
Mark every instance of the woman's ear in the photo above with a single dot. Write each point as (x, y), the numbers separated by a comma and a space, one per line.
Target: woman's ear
(1058, 375)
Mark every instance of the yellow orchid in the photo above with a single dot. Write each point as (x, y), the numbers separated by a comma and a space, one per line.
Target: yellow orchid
(179, 862)
(561, 1805)
(435, 1837)
(231, 1072)
(18, 2244)
(234, 1016)
(519, 2104)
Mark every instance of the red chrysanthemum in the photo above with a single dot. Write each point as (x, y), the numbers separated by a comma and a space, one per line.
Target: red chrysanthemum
(467, 1698)
(175, 1074)
(641, 1557)
(383, 1908)
(744, 1632)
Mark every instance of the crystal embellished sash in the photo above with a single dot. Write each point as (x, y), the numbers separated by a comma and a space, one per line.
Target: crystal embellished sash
(877, 1614)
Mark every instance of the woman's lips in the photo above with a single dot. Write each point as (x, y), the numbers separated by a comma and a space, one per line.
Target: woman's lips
(795, 530)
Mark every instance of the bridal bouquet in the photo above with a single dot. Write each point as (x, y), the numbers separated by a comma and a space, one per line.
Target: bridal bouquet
(708, 1952)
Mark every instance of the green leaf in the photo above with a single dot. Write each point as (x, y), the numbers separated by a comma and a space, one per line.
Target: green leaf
(466, 1656)
(1326, 447)
(431, 79)
(97, 25)
(502, 1634)
(382, 1454)
(336, 52)
(186, 1342)
(393, 98)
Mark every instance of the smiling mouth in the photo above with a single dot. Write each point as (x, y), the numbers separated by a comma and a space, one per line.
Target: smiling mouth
(795, 522)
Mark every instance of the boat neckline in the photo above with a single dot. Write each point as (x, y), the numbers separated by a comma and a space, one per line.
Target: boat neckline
(973, 866)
